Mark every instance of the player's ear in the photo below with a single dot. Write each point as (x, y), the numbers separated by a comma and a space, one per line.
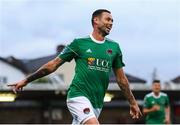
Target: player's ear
(96, 20)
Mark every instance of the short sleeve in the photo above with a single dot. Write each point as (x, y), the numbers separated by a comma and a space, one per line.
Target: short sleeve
(118, 60)
(167, 101)
(146, 103)
(70, 51)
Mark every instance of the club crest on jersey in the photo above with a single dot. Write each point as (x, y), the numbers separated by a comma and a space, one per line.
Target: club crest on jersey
(109, 51)
(86, 111)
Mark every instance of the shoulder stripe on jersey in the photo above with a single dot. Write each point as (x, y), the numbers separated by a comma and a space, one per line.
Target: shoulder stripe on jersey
(110, 40)
(72, 51)
(85, 37)
(150, 94)
(163, 94)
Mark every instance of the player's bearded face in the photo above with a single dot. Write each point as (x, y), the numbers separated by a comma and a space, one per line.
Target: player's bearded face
(105, 23)
(156, 87)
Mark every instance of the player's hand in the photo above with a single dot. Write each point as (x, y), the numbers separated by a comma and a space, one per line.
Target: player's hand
(17, 86)
(135, 111)
(156, 108)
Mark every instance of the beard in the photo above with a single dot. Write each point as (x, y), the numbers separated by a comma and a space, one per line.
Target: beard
(104, 31)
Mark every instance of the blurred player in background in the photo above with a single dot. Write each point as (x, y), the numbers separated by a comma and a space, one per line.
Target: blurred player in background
(95, 56)
(156, 105)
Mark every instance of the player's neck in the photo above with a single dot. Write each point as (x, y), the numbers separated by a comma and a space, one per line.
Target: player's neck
(156, 94)
(97, 36)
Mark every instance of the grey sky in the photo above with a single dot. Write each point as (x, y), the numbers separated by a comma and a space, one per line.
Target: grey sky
(148, 31)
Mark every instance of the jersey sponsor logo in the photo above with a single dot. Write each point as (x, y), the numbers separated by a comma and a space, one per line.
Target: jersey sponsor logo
(86, 111)
(103, 63)
(98, 64)
(88, 51)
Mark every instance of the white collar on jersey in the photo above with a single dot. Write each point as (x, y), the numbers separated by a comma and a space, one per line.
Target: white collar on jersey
(96, 41)
(155, 95)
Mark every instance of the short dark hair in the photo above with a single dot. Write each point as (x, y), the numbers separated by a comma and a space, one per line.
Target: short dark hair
(98, 13)
(156, 81)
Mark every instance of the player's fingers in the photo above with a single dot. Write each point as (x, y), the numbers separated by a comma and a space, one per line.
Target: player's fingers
(134, 116)
(21, 89)
(14, 90)
(137, 112)
(11, 85)
(131, 113)
(140, 113)
(137, 115)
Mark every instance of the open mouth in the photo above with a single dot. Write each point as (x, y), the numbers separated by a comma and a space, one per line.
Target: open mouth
(109, 28)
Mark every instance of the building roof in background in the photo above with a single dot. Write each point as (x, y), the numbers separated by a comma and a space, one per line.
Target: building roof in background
(15, 63)
(30, 65)
(176, 80)
(34, 64)
(132, 79)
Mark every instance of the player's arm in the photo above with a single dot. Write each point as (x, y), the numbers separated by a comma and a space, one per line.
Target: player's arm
(167, 110)
(44, 70)
(149, 110)
(124, 85)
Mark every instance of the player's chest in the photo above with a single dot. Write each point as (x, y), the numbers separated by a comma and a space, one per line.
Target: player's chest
(97, 51)
(159, 101)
